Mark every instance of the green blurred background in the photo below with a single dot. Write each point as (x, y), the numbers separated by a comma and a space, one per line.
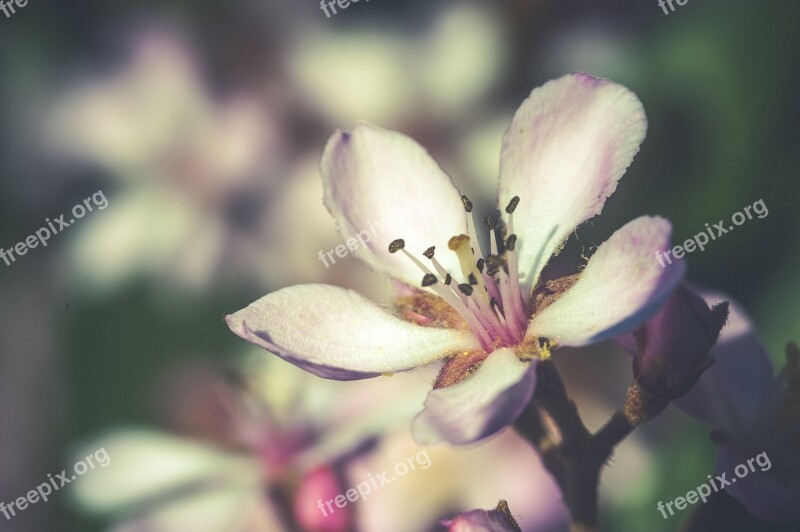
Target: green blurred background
(202, 123)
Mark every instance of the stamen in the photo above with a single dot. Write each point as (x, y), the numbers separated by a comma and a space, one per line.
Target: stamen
(444, 273)
(474, 323)
(512, 205)
(397, 245)
(429, 280)
(497, 314)
(471, 227)
(493, 264)
(473, 236)
(491, 286)
(489, 320)
(400, 245)
(492, 237)
(519, 299)
(512, 318)
(467, 203)
(488, 315)
(465, 289)
(511, 242)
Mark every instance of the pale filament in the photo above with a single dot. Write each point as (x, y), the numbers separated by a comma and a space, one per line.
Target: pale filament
(490, 300)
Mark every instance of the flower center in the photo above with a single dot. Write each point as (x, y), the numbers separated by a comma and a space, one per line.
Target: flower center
(491, 301)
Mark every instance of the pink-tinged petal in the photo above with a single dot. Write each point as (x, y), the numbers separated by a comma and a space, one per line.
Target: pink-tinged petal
(339, 334)
(479, 406)
(762, 492)
(731, 391)
(567, 146)
(621, 287)
(381, 186)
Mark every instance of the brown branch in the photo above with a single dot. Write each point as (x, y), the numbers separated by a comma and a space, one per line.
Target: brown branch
(576, 457)
(551, 395)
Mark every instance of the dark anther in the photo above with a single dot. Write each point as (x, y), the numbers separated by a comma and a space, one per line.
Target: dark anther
(429, 280)
(493, 264)
(429, 252)
(447, 279)
(511, 242)
(467, 203)
(397, 245)
(472, 279)
(488, 223)
(465, 289)
(512, 205)
(494, 261)
(480, 265)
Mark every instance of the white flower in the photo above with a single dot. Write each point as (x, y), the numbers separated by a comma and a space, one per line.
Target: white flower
(565, 150)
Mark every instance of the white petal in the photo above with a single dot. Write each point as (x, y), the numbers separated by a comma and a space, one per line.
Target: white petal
(228, 508)
(381, 186)
(566, 148)
(479, 406)
(340, 334)
(622, 286)
(143, 466)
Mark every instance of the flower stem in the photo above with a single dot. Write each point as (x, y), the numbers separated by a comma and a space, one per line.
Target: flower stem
(574, 456)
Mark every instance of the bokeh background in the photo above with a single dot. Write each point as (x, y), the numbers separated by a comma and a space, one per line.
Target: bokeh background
(202, 123)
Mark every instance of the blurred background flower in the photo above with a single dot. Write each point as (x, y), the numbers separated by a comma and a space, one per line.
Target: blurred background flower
(203, 124)
(251, 452)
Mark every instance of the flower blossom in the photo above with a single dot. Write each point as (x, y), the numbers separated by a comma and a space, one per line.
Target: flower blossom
(485, 314)
(249, 458)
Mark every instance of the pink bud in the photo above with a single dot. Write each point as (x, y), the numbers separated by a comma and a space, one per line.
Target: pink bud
(314, 506)
(673, 346)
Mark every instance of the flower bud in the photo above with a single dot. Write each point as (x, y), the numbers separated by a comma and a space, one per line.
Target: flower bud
(673, 347)
(497, 520)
